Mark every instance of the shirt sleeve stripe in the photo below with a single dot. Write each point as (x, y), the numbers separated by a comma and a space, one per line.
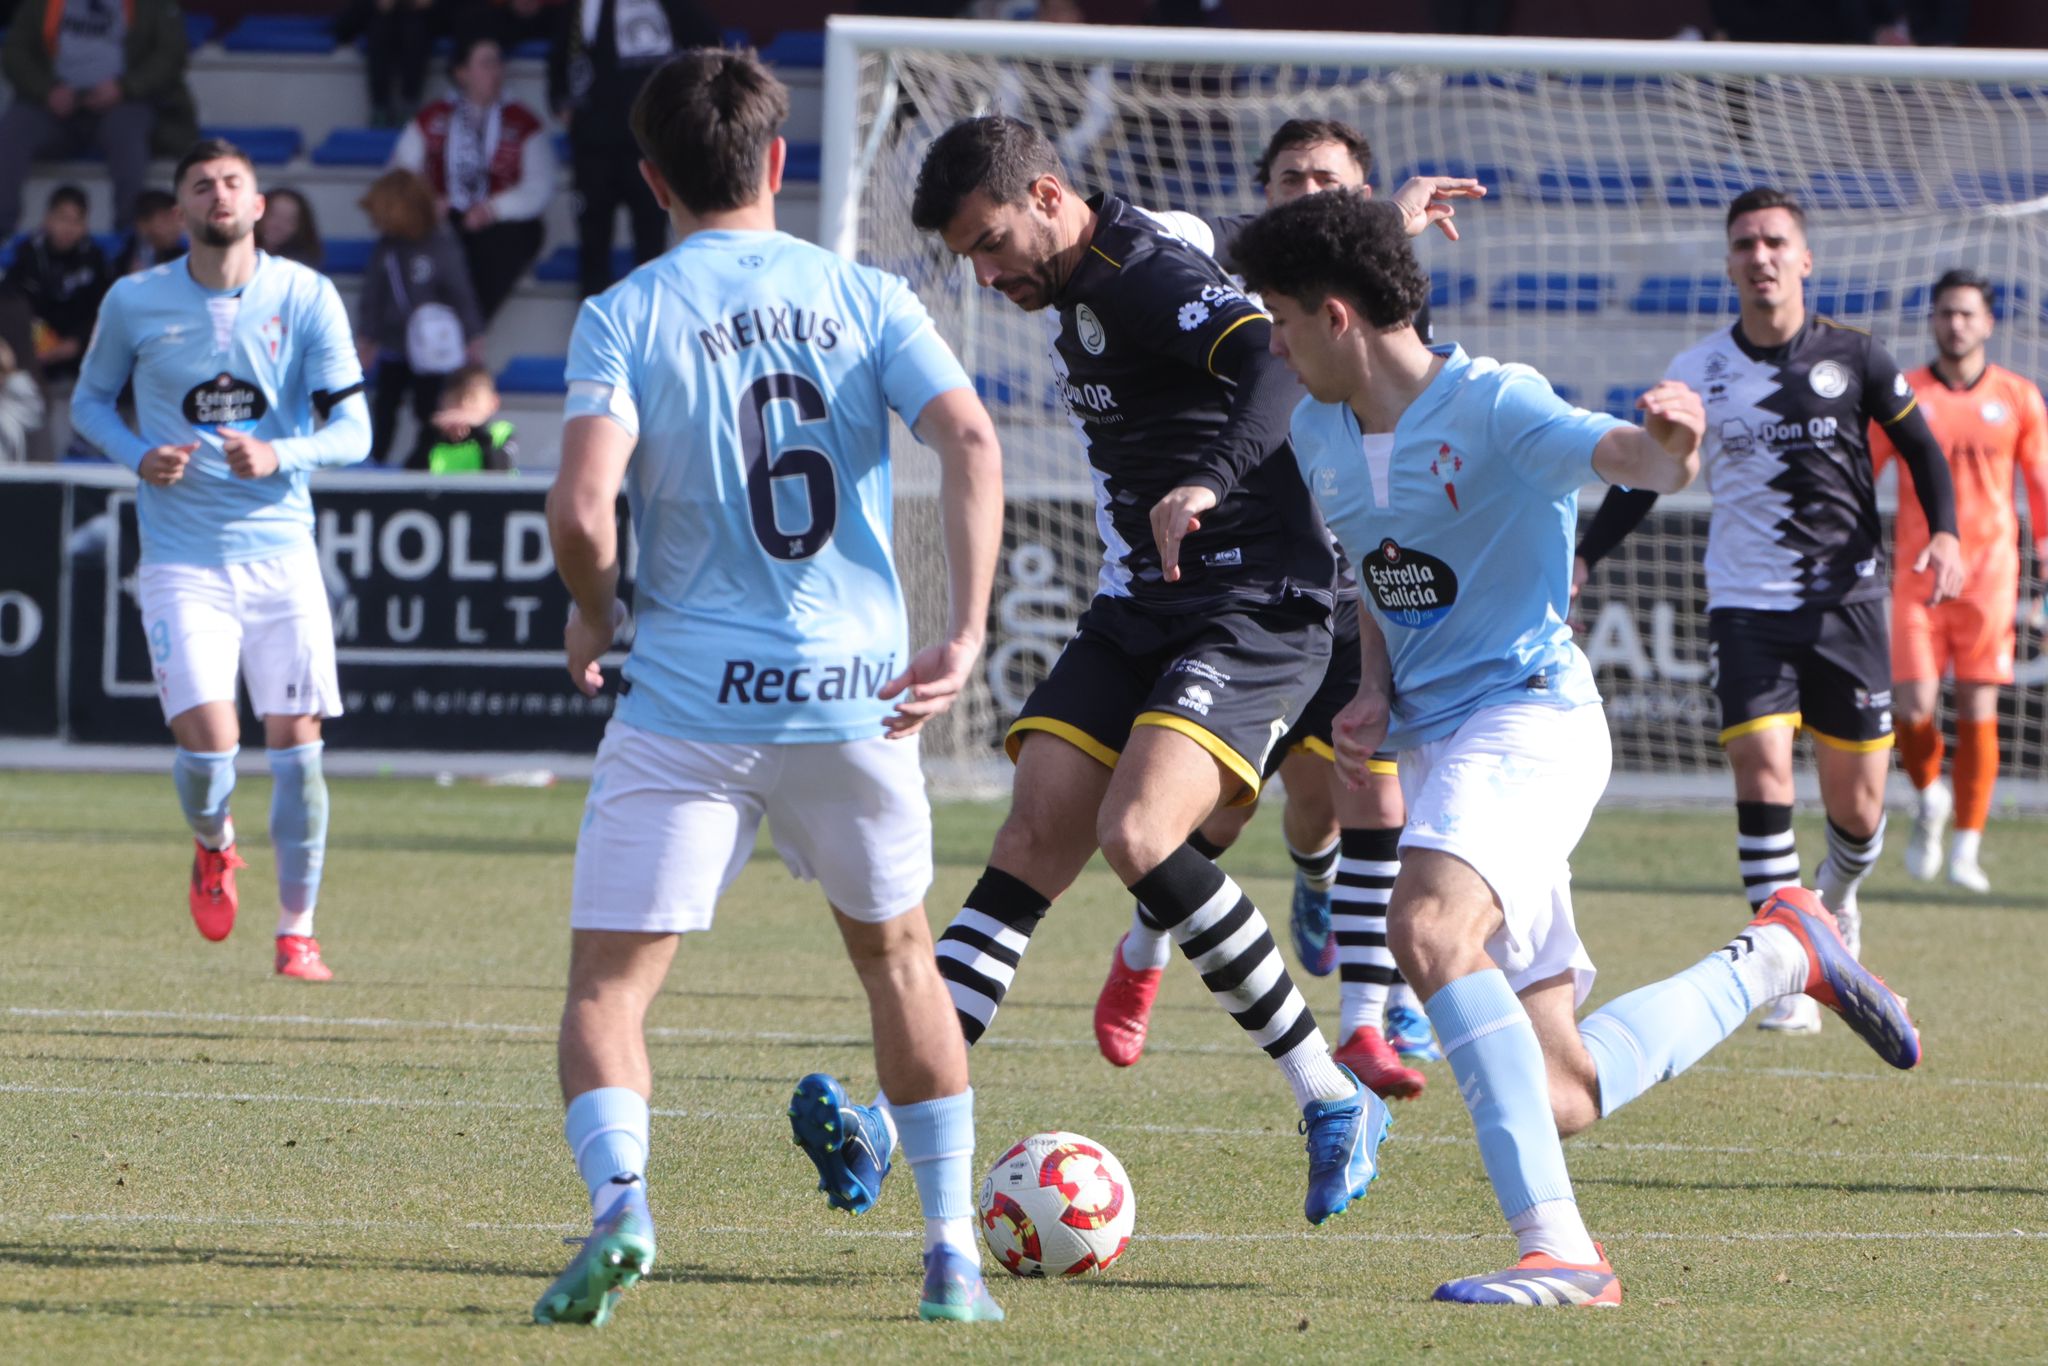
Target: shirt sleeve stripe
(1249, 317)
(1900, 416)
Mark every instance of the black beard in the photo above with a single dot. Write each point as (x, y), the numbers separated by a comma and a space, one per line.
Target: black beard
(225, 237)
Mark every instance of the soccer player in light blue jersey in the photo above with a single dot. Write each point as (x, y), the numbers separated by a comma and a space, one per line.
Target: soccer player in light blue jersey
(739, 388)
(246, 381)
(1453, 483)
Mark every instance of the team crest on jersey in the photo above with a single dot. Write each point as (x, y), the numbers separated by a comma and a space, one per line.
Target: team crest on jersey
(273, 333)
(1088, 330)
(1995, 412)
(1411, 588)
(1446, 467)
(225, 401)
(1830, 380)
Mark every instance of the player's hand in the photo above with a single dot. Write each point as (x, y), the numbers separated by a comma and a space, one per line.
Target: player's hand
(1944, 557)
(62, 100)
(928, 687)
(1674, 417)
(248, 457)
(586, 644)
(164, 466)
(1357, 733)
(1424, 202)
(1174, 518)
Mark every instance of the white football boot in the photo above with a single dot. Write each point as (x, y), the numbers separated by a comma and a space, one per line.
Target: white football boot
(1962, 862)
(1931, 809)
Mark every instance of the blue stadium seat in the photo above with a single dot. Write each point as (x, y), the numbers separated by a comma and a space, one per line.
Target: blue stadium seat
(1686, 296)
(805, 162)
(198, 28)
(268, 146)
(796, 48)
(534, 375)
(1605, 184)
(1847, 296)
(1621, 401)
(356, 147)
(348, 255)
(282, 33)
(736, 37)
(1451, 290)
(1920, 298)
(1971, 190)
(1710, 187)
(558, 267)
(1568, 392)
(1853, 191)
(1551, 292)
(1498, 180)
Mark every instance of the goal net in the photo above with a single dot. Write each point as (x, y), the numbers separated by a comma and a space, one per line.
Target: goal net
(1596, 257)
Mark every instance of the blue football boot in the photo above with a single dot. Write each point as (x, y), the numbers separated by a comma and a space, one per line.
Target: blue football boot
(849, 1144)
(1344, 1139)
(1409, 1032)
(1309, 924)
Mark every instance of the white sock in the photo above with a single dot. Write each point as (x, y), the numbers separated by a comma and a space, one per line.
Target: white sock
(1364, 1006)
(1775, 964)
(957, 1234)
(1403, 995)
(881, 1103)
(1554, 1226)
(1310, 1073)
(294, 922)
(1146, 949)
(227, 837)
(1963, 846)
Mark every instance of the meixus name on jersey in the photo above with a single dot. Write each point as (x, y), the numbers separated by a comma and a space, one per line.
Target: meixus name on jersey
(748, 682)
(774, 323)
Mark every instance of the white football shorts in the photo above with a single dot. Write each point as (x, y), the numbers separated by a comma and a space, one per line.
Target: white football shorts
(1510, 792)
(670, 823)
(266, 619)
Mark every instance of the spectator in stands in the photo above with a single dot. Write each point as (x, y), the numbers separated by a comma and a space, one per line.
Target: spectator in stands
(159, 234)
(492, 167)
(398, 37)
(467, 435)
(417, 321)
(603, 51)
(94, 75)
(63, 274)
(21, 407)
(288, 229)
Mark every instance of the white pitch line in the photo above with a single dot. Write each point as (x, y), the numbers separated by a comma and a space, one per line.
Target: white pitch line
(1109, 1126)
(1302, 1236)
(862, 1041)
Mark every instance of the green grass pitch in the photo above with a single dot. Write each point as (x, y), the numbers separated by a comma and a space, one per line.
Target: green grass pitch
(199, 1161)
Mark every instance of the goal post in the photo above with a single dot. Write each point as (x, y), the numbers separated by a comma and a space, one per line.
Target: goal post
(1596, 257)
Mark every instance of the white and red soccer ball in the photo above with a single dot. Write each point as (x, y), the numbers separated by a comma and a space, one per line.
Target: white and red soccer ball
(1057, 1204)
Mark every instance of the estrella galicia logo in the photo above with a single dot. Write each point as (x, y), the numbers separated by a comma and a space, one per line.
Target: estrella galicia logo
(1412, 588)
(225, 401)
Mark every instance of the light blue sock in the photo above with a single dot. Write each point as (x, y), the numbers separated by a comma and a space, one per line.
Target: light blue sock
(1499, 1065)
(204, 781)
(938, 1139)
(1655, 1032)
(607, 1133)
(298, 833)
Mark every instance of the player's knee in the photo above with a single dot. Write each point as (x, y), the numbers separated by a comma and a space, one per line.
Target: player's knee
(1132, 840)
(1434, 940)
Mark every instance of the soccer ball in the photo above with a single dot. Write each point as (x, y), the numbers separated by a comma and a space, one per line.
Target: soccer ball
(1057, 1204)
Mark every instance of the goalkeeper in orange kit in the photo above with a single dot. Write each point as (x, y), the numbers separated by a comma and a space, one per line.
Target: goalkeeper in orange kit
(1988, 421)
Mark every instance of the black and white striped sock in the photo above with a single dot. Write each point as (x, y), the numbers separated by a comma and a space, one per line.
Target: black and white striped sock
(1848, 862)
(1147, 946)
(979, 952)
(1765, 849)
(1221, 932)
(1358, 917)
(1320, 867)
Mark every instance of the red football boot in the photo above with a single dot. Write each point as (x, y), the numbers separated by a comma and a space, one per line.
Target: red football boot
(298, 955)
(1373, 1061)
(1123, 1012)
(212, 897)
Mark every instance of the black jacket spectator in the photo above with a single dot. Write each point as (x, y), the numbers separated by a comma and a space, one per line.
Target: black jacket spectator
(63, 274)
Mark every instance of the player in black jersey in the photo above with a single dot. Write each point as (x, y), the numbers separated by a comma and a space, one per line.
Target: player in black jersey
(1796, 588)
(1210, 629)
(1344, 843)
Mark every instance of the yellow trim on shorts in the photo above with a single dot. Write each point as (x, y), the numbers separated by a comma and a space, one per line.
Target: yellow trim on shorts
(1319, 748)
(1882, 742)
(1222, 753)
(1385, 768)
(1072, 734)
(1757, 723)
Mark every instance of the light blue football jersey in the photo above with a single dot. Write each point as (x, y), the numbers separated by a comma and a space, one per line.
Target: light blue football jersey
(264, 359)
(1461, 530)
(759, 372)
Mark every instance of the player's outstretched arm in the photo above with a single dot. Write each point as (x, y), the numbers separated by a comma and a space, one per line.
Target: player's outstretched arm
(1425, 202)
(1360, 729)
(1663, 454)
(958, 428)
(583, 530)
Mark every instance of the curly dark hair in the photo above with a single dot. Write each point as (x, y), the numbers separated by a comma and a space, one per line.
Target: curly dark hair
(1307, 133)
(1337, 243)
(997, 155)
